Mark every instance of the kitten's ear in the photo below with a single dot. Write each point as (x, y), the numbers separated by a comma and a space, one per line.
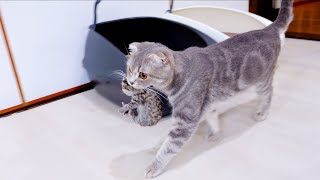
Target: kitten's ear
(159, 57)
(133, 47)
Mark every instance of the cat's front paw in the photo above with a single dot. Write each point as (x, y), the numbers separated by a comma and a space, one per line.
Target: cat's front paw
(154, 170)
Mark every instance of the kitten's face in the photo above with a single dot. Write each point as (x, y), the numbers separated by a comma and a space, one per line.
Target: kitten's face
(149, 64)
(129, 90)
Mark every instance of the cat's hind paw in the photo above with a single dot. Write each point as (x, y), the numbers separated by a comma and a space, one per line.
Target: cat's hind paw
(153, 170)
(214, 136)
(260, 116)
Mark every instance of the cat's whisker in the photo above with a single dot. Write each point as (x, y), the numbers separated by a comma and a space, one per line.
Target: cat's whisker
(155, 92)
(118, 70)
(149, 91)
(119, 74)
(156, 95)
(118, 77)
(159, 95)
(125, 47)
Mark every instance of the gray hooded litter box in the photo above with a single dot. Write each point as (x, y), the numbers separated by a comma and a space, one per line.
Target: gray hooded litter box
(107, 43)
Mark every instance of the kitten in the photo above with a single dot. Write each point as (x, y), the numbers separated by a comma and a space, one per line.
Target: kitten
(198, 80)
(145, 107)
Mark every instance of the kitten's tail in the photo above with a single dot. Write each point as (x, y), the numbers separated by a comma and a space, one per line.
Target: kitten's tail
(285, 16)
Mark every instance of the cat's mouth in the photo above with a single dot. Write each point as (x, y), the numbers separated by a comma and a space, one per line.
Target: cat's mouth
(127, 92)
(136, 86)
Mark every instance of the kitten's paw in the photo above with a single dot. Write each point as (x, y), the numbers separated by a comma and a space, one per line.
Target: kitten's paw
(153, 170)
(146, 122)
(126, 113)
(260, 116)
(123, 110)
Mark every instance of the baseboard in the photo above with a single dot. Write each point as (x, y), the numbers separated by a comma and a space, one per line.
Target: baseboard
(46, 99)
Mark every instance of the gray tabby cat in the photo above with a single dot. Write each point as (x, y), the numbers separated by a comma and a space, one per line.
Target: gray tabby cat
(145, 107)
(198, 80)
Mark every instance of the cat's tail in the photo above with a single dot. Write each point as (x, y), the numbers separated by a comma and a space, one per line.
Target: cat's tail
(285, 16)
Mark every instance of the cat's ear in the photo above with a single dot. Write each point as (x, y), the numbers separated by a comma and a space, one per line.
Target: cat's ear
(133, 47)
(159, 57)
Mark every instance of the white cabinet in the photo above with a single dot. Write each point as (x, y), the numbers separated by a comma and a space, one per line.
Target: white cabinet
(48, 40)
(9, 93)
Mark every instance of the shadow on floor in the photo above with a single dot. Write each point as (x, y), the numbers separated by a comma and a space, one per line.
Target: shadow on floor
(233, 124)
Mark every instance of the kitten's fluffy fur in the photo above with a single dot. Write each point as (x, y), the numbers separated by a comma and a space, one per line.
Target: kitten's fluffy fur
(145, 107)
(196, 80)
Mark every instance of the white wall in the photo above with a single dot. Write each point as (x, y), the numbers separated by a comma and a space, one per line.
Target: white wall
(47, 40)
(48, 37)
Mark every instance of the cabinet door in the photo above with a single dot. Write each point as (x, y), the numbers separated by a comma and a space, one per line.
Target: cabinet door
(48, 42)
(9, 93)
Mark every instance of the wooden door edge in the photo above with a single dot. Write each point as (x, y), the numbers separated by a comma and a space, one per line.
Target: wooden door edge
(13, 66)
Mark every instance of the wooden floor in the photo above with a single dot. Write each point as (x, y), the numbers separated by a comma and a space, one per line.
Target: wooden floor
(306, 23)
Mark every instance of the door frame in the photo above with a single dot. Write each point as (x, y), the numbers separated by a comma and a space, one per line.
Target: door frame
(264, 8)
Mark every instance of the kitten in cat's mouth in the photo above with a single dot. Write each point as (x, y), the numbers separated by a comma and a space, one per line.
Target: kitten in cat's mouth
(145, 107)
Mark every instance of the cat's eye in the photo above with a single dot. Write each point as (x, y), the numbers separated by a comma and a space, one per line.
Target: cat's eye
(143, 76)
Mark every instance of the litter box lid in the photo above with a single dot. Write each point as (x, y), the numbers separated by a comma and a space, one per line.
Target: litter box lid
(248, 20)
(177, 33)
